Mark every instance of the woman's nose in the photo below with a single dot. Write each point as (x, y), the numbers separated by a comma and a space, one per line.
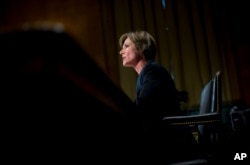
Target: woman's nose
(121, 52)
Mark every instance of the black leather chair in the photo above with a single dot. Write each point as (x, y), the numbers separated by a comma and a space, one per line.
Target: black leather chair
(205, 125)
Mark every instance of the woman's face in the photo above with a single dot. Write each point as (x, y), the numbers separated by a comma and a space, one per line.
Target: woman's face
(130, 55)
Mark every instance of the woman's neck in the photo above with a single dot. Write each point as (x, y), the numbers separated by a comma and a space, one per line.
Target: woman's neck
(139, 66)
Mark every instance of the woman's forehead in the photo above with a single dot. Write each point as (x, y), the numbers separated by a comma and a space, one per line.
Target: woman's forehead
(128, 41)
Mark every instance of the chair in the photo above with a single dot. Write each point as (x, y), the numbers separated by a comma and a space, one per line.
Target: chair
(210, 104)
(206, 124)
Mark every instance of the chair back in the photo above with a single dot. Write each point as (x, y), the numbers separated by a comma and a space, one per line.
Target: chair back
(211, 95)
(210, 102)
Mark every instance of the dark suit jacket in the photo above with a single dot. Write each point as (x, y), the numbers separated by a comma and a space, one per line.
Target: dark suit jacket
(156, 94)
(157, 97)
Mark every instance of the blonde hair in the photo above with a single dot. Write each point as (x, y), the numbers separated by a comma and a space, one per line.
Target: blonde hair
(143, 41)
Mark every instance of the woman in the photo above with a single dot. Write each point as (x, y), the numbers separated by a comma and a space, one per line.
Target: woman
(156, 95)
